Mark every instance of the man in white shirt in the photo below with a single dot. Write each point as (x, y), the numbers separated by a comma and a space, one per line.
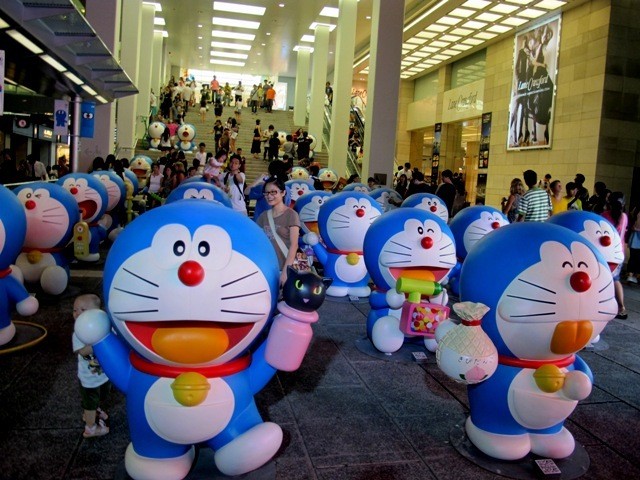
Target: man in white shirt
(201, 154)
(187, 94)
(234, 186)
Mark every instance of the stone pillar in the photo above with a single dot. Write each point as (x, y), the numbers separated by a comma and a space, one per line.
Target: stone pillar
(302, 84)
(144, 67)
(156, 65)
(129, 58)
(342, 80)
(381, 116)
(318, 82)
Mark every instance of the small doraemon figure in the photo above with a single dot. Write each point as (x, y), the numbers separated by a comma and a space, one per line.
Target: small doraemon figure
(190, 292)
(357, 187)
(308, 208)
(549, 293)
(117, 194)
(92, 198)
(343, 222)
(469, 226)
(299, 173)
(199, 190)
(297, 188)
(186, 133)
(141, 166)
(429, 202)
(328, 178)
(13, 227)
(388, 198)
(155, 131)
(408, 244)
(51, 213)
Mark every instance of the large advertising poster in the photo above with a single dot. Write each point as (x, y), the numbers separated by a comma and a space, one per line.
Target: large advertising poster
(535, 65)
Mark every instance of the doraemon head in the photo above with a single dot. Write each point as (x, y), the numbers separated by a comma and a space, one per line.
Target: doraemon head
(387, 198)
(328, 177)
(408, 243)
(116, 190)
(156, 129)
(199, 190)
(429, 202)
(89, 192)
(282, 136)
(596, 229)
(141, 166)
(471, 224)
(51, 212)
(297, 188)
(130, 178)
(550, 292)
(299, 173)
(308, 208)
(186, 133)
(191, 285)
(356, 187)
(344, 219)
(13, 226)
(195, 178)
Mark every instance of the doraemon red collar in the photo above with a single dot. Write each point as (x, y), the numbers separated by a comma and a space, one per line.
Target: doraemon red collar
(5, 273)
(344, 252)
(42, 250)
(215, 371)
(534, 364)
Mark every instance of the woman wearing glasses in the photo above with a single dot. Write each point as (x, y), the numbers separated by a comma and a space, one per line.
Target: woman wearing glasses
(281, 224)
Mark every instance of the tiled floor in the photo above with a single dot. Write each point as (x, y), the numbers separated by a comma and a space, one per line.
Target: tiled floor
(345, 414)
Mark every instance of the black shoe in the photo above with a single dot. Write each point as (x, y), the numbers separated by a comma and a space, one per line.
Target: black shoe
(622, 315)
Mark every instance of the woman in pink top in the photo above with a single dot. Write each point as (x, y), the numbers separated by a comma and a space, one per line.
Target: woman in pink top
(615, 214)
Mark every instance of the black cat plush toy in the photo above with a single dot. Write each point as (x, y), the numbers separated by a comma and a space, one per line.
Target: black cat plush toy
(303, 293)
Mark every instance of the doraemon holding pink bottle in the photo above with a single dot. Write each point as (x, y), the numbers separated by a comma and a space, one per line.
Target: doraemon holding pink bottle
(190, 287)
(407, 244)
(343, 222)
(549, 293)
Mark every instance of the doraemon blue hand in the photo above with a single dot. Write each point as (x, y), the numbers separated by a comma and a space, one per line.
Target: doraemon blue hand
(51, 213)
(549, 293)
(190, 289)
(343, 222)
(13, 226)
(405, 243)
(199, 190)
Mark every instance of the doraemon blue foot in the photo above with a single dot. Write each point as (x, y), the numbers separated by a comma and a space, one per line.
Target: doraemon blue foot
(250, 450)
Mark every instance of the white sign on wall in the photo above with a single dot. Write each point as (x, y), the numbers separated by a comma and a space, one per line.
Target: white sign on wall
(463, 102)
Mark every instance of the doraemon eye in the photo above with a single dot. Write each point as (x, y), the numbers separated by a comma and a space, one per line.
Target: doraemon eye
(41, 193)
(213, 247)
(203, 248)
(25, 194)
(420, 230)
(179, 248)
(171, 245)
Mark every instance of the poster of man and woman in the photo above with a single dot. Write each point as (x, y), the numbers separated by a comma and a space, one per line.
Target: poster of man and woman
(535, 66)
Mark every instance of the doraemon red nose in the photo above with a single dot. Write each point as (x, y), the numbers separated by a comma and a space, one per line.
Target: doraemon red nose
(73, 190)
(580, 281)
(360, 212)
(433, 208)
(30, 205)
(191, 273)
(426, 242)
(605, 240)
(495, 225)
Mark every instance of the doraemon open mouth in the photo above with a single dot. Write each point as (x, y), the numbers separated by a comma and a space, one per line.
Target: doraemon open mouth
(313, 227)
(612, 266)
(434, 274)
(88, 208)
(189, 342)
(140, 172)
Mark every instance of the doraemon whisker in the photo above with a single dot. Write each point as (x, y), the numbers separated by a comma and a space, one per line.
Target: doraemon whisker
(338, 221)
(447, 246)
(243, 313)
(52, 223)
(533, 315)
(397, 253)
(136, 311)
(136, 294)
(342, 215)
(401, 245)
(52, 208)
(538, 286)
(141, 278)
(606, 300)
(243, 295)
(605, 287)
(399, 261)
(532, 299)
(238, 279)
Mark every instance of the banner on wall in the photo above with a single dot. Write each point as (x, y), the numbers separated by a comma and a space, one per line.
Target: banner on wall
(485, 140)
(1, 82)
(88, 112)
(60, 117)
(435, 154)
(535, 66)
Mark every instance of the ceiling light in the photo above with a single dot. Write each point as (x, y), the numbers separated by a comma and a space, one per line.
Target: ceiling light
(25, 42)
(531, 13)
(476, 4)
(488, 17)
(232, 35)
(475, 25)
(100, 98)
(268, 34)
(437, 28)
(155, 4)
(199, 26)
(450, 38)
(199, 38)
(227, 62)
(513, 21)
(329, 12)
(230, 22)
(498, 29)
(449, 20)
(416, 41)
(461, 46)
(368, 17)
(163, 32)
(238, 8)
(231, 46)
(363, 59)
(405, 64)
(472, 41)
(424, 15)
(3, 24)
(308, 38)
(550, 4)
(448, 51)
(521, 2)
(412, 59)
(504, 8)
(419, 54)
(89, 90)
(441, 57)
(158, 21)
(73, 78)
(281, 5)
(461, 12)
(408, 46)
(485, 35)
(54, 63)
(429, 49)
(314, 25)
(297, 48)
(426, 34)
(439, 44)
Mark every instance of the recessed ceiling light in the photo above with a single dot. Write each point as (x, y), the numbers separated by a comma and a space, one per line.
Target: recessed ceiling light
(199, 38)
(297, 48)
(550, 4)
(461, 12)
(472, 41)
(461, 46)
(315, 24)
(513, 21)
(504, 8)
(227, 62)
(419, 54)
(437, 28)
(426, 35)
(155, 4)
(268, 33)
(199, 48)
(263, 44)
(329, 12)
(231, 46)
(89, 90)
(521, 2)
(475, 25)
(73, 78)
(441, 57)
(476, 4)
(429, 49)
(308, 38)
(405, 64)
(101, 99)
(158, 21)
(449, 20)
(449, 51)
(238, 8)
(231, 22)
(498, 29)
(232, 35)
(463, 32)
(531, 13)
(416, 41)
(330, 53)
(450, 38)
(163, 32)
(259, 53)
(439, 44)
(412, 59)
(281, 5)
(368, 17)
(25, 42)
(488, 17)
(54, 63)
(485, 35)
(199, 26)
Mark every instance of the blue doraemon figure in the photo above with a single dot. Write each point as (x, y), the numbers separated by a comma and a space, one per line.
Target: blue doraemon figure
(186, 134)
(407, 243)
(117, 194)
(387, 197)
(190, 292)
(470, 226)
(429, 202)
(357, 187)
(308, 208)
(343, 222)
(92, 198)
(51, 213)
(549, 293)
(13, 227)
(199, 190)
(141, 165)
(296, 188)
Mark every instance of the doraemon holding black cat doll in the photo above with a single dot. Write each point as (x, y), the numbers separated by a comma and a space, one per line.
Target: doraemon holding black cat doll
(190, 287)
(13, 226)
